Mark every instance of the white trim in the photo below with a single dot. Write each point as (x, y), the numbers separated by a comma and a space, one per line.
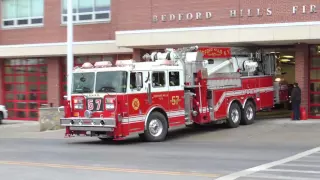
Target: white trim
(57, 44)
(142, 118)
(241, 93)
(310, 23)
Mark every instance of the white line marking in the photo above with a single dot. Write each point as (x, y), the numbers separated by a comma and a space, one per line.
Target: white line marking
(262, 167)
(269, 176)
(308, 160)
(301, 165)
(291, 170)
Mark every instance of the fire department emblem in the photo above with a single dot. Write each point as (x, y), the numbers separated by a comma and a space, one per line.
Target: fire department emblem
(135, 104)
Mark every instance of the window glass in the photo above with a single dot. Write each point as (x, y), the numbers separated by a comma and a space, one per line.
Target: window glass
(88, 10)
(315, 86)
(158, 79)
(133, 83)
(315, 62)
(22, 8)
(102, 5)
(315, 74)
(86, 6)
(111, 81)
(22, 12)
(37, 8)
(174, 79)
(8, 9)
(83, 82)
(315, 50)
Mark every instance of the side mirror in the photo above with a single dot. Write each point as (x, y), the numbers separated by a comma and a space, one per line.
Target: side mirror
(139, 80)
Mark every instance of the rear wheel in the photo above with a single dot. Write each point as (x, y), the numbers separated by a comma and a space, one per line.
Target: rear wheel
(234, 116)
(156, 128)
(249, 113)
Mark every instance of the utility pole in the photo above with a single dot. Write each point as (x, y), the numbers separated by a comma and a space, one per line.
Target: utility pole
(69, 48)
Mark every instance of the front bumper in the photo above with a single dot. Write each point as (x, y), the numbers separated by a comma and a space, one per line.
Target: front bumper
(89, 124)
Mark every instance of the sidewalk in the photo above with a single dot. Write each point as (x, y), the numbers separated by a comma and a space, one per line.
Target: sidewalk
(17, 123)
(16, 126)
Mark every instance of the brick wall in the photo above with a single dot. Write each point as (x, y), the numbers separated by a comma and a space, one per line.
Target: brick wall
(302, 72)
(138, 15)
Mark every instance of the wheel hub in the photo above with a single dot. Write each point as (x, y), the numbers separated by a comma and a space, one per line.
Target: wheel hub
(249, 113)
(235, 115)
(155, 127)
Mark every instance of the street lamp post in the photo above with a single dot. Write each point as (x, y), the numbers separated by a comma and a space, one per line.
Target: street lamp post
(69, 48)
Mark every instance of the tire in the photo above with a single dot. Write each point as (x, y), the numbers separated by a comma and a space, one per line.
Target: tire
(156, 128)
(105, 138)
(234, 116)
(248, 114)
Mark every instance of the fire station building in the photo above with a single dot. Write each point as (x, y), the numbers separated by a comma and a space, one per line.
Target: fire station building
(33, 38)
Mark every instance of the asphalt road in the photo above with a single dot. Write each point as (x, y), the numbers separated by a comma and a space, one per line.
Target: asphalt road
(206, 153)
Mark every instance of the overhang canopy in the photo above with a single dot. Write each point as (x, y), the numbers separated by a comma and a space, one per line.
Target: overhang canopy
(264, 34)
(59, 49)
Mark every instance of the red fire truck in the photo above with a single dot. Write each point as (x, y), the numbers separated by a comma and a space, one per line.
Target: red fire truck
(178, 87)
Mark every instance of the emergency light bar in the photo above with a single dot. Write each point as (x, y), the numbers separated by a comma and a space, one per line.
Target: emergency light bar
(125, 62)
(165, 62)
(102, 64)
(87, 65)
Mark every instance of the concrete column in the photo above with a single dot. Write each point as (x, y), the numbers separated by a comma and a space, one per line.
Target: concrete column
(53, 80)
(302, 72)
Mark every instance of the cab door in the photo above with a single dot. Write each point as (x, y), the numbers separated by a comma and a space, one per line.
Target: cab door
(176, 97)
(160, 89)
(136, 101)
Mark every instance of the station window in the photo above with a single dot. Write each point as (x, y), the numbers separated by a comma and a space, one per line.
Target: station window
(174, 79)
(20, 13)
(133, 83)
(87, 11)
(158, 79)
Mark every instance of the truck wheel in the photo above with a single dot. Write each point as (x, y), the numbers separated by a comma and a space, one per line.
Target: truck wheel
(234, 116)
(248, 114)
(157, 127)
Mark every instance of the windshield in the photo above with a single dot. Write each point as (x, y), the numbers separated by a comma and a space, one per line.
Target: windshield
(83, 82)
(111, 81)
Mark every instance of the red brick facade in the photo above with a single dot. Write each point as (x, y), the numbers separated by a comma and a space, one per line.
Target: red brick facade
(139, 15)
(302, 72)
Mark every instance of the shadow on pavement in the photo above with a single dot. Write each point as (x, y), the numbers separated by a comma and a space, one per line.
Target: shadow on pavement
(173, 135)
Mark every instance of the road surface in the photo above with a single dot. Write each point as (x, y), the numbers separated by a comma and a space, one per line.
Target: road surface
(269, 149)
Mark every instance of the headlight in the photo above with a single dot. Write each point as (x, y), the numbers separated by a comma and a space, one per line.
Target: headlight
(109, 103)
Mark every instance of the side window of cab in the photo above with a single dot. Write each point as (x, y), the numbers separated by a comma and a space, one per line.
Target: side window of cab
(158, 79)
(133, 83)
(174, 78)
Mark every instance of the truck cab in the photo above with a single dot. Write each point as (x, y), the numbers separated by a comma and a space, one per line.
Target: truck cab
(115, 101)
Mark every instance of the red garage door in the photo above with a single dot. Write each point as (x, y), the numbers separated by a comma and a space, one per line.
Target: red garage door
(25, 87)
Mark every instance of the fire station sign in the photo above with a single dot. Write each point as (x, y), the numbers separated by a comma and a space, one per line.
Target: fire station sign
(232, 13)
(182, 16)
